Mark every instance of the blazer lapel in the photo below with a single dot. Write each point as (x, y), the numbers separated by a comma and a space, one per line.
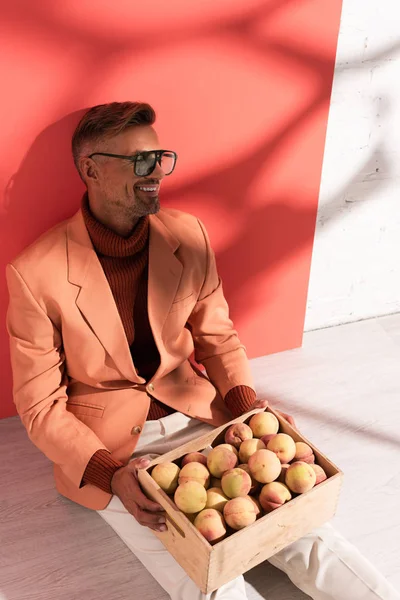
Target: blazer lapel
(95, 299)
(165, 272)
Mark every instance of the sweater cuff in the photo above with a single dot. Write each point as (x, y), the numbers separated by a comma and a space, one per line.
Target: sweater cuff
(100, 470)
(240, 399)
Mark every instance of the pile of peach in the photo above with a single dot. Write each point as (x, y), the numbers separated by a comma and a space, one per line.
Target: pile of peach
(255, 472)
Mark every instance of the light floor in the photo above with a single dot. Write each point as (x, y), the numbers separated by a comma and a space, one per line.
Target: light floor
(343, 388)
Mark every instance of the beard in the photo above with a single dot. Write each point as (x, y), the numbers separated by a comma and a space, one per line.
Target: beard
(131, 205)
(142, 208)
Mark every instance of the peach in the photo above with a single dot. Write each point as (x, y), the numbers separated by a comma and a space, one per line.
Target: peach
(283, 446)
(236, 482)
(282, 476)
(215, 482)
(190, 497)
(237, 433)
(267, 438)
(320, 473)
(166, 475)
(304, 453)
(220, 460)
(257, 505)
(240, 512)
(194, 471)
(300, 477)
(255, 485)
(211, 525)
(194, 457)
(248, 447)
(265, 466)
(273, 495)
(228, 447)
(216, 499)
(263, 423)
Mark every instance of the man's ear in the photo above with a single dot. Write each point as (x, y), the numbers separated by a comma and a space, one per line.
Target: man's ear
(88, 169)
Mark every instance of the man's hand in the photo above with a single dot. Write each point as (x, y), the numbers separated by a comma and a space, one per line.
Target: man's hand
(264, 403)
(125, 485)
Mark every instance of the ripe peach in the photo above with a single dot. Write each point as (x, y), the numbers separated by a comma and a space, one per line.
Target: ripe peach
(240, 512)
(248, 447)
(166, 475)
(300, 477)
(304, 453)
(237, 433)
(194, 471)
(257, 505)
(264, 466)
(273, 495)
(216, 499)
(267, 438)
(190, 497)
(194, 457)
(236, 482)
(320, 473)
(220, 460)
(255, 485)
(263, 423)
(211, 525)
(215, 482)
(283, 446)
(229, 447)
(282, 475)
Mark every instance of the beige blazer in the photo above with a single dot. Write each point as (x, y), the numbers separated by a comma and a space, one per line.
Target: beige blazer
(74, 383)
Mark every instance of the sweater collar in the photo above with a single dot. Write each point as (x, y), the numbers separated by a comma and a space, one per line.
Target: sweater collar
(108, 243)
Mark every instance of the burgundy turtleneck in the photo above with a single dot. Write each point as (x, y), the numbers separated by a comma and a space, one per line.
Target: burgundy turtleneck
(125, 264)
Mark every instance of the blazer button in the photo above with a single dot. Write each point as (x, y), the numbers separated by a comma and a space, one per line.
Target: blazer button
(136, 430)
(151, 387)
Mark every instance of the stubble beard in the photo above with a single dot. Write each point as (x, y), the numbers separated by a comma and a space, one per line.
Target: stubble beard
(142, 209)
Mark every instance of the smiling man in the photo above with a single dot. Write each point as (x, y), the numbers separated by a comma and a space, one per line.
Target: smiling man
(106, 310)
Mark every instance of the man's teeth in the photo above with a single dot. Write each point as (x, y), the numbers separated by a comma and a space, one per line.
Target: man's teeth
(147, 189)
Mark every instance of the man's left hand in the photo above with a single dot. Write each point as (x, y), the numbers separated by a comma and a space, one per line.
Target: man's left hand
(264, 403)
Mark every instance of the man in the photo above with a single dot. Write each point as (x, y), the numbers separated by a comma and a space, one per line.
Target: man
(105, 312)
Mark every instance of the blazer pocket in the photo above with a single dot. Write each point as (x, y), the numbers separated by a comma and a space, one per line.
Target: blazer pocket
(85, 409)
(179, 303)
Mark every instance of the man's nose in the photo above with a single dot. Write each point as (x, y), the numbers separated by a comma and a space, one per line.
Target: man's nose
(158, 172)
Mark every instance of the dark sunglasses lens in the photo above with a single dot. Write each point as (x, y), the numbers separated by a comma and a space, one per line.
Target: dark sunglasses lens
(145, 164)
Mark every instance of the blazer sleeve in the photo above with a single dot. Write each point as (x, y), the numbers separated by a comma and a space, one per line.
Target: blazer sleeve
(40, 383)
(217, 346)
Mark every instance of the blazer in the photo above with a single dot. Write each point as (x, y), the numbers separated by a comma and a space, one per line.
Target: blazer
(75, 386)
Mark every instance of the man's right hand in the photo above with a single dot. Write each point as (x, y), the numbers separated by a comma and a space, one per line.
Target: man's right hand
(125, 485)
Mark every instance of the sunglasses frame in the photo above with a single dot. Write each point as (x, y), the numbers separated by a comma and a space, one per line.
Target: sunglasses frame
(158, 156)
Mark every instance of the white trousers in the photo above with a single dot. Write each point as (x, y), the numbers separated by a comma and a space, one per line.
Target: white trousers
(322, 564)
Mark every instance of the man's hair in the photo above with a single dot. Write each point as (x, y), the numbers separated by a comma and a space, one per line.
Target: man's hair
(106, 121)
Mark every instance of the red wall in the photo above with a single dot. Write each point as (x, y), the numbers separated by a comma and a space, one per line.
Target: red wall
(241, 88)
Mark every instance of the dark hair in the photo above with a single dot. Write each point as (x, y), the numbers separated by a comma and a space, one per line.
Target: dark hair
(108, 120)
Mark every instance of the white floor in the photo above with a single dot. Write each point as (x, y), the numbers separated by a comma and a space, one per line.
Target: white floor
(342, 387)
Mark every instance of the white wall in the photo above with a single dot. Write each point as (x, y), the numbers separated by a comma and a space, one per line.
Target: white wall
(355, 270)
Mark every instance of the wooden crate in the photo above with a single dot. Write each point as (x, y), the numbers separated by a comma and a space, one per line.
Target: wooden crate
(212, 566)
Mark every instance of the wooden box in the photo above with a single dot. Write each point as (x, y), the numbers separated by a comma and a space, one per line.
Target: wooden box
(212, 566)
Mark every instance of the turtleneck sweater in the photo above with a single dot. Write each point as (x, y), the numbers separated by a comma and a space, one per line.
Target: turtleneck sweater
(125, 264)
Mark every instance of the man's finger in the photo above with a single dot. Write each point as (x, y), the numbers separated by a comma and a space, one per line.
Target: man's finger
(144, 502)
(138, 463)
(260, 404)
(147, 518)
(287, 418)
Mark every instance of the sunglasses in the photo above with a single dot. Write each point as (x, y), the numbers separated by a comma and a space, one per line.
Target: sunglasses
(145, 162)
